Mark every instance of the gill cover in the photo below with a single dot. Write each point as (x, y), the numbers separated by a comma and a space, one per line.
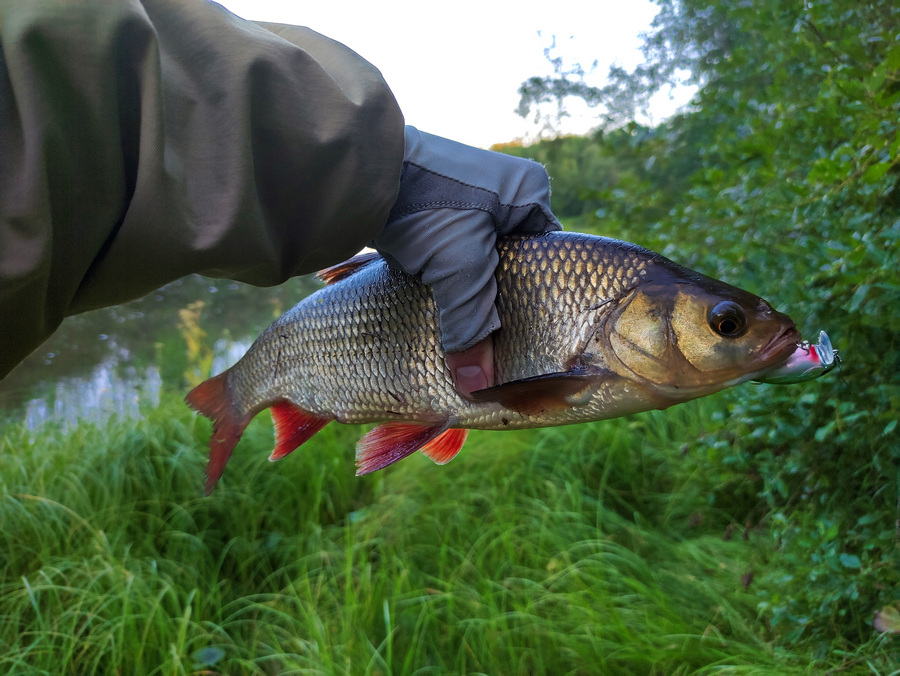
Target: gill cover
(699, 333)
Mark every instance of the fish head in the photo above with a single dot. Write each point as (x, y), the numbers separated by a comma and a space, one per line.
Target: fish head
(686, 335)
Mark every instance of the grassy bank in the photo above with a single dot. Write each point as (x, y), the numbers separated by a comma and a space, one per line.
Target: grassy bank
(604, 548)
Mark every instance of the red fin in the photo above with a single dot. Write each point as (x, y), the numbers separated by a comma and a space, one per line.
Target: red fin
(539, 394)
(393, 441)
(443, 449)
(213, 399)
(342, 270)
(293, 426)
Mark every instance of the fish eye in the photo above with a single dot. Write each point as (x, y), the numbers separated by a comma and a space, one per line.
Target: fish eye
(727, 319)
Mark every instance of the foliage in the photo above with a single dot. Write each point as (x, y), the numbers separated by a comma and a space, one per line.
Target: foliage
(752, 532)
(783, 178)
(588, 549)
(199, 353)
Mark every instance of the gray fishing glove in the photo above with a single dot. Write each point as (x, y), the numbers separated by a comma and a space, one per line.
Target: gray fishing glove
(454, 201)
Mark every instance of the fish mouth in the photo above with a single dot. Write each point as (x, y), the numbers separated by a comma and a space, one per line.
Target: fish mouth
(781, 346)
(806, 362)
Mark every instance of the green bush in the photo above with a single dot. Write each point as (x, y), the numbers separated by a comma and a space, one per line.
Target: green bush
(783, 179)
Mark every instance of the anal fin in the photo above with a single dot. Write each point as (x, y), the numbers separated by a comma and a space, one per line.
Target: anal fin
(293, 426)
(393, 441)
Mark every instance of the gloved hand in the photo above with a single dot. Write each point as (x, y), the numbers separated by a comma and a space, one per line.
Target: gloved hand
(454, 201)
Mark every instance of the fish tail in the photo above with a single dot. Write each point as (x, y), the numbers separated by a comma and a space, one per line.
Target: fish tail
(213, 398)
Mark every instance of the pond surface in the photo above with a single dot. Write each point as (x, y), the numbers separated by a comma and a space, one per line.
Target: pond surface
(113, 361)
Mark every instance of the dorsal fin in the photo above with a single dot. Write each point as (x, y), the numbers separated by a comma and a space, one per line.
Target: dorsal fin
(342, 270)
(445, 447)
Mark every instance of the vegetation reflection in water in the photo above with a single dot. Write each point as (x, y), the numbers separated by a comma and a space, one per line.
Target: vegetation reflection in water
(115, 361)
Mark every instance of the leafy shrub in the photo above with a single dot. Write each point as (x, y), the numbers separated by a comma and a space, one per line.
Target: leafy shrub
(783, 178)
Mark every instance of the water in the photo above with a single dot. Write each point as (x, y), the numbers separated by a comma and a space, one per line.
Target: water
(98, 397)
(116, 361)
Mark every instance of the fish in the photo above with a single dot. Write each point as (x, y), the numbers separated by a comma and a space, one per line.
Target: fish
(592, 328)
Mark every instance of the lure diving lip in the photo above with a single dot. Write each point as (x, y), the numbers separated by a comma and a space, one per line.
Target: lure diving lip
(806, 363)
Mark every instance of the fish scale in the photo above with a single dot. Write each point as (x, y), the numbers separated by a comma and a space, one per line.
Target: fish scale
(591, 328)
(399, 369)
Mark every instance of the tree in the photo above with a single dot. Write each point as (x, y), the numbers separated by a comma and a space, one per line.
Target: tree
(786, 171)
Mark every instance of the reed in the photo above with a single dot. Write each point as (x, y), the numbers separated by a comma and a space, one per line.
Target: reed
(592, 549)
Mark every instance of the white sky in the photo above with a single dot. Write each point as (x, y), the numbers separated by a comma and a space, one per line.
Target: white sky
(455, 68)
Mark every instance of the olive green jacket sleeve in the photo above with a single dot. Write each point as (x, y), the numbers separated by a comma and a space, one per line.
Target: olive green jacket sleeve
(141, 141)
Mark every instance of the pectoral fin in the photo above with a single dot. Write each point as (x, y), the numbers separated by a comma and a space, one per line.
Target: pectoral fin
(542, 394)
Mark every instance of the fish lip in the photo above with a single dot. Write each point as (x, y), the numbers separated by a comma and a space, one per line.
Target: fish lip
(781, 347)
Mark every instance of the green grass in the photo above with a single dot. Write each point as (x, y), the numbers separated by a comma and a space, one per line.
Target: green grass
(596, 549)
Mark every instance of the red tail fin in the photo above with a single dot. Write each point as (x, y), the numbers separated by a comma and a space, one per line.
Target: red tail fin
(213, 399)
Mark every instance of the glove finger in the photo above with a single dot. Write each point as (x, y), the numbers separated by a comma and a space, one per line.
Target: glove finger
(465, 298)
(455, 253)
(439, 173)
